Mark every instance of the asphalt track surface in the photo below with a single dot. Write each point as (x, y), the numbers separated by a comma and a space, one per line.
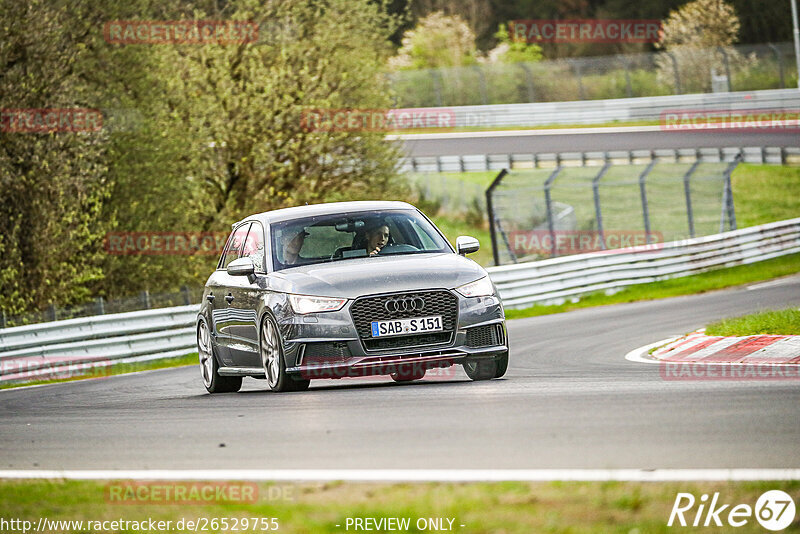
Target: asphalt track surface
(555, 141)
(569, 400)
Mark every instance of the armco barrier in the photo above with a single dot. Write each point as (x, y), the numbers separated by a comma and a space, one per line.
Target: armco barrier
(620, 109)
(556, 279)
(169, 332)
(27, 352)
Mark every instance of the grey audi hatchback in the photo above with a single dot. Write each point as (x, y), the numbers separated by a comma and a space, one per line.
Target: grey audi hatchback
(346, 289)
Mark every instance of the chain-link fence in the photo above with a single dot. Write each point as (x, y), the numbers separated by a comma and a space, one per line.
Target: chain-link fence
(547, 212)
(683, 70)
(99, 306)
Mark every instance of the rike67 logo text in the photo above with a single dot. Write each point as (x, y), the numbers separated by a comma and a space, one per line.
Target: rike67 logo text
(774, 510)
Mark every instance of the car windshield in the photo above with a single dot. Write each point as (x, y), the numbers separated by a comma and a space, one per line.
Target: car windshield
(344, 236)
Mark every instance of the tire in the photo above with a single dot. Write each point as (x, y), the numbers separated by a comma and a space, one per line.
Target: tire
(481, 369)
(502, 365)
(407, 374)
(209, 367)
(271, 349)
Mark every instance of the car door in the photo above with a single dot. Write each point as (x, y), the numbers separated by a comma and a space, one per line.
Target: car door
(242, 300)
(224, 321)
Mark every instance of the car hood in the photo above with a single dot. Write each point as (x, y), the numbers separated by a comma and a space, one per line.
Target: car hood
(364, 276)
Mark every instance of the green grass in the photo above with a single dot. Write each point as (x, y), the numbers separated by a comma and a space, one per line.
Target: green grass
(454, 227)
(765, 193)
(115, 369)
(778, 322)
(508, 507)
(687, 285)
(521, 127)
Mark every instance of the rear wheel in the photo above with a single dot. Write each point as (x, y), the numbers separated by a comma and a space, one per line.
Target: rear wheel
(209, 367)
(481, 369)
(273, 362)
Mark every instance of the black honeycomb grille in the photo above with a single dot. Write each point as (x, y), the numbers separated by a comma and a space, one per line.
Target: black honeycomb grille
(439, 302)
(328, 351)
(485, 336)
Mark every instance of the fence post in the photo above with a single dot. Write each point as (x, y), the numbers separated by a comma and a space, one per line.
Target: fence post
(528, 82)
(145, 296)
(549, 207)
(101, 308)
(727, 67)
(490, 212)
(727, 196)
(687, 190)
(628, 86)
(576, 65)
(51, 312)
(482, 85)
(3, 322)
(598, 215)
(675, 72)
(643, 193)
(187, 298)
(779, 58)
(436, 76)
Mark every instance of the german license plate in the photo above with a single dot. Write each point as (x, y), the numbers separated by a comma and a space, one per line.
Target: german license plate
(399, 327)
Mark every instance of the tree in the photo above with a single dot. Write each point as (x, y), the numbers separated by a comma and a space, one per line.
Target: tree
(437, 41)
(693, 35)
(243, 108)
(52, 183)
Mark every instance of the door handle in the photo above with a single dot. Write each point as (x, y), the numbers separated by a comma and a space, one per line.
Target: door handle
(229, 298)
(210, 297)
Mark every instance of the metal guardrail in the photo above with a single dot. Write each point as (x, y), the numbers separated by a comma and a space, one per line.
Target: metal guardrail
(619, 109)
(556, 279)
(498, 162)
(39, 351)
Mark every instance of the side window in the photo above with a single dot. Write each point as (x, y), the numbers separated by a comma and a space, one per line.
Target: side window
(254, 246)
(234, 246)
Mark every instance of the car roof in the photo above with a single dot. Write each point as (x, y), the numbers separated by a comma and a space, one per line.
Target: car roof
(330, 208)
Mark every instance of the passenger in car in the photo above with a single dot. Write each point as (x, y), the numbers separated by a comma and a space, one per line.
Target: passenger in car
(292, 243)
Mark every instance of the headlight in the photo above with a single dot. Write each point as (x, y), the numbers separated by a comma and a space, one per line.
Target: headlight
(478, 288)
(303, 304)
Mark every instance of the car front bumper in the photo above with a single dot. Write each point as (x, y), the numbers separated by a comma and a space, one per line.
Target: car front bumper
(327, 345)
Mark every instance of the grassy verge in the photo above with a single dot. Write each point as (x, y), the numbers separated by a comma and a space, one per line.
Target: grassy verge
(114, 369)
(510, 507)
(688, 285)
(528, 127)
(779, 322)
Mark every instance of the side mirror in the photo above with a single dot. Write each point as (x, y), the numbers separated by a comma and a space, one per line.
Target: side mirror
(242, 267)
(467, 245)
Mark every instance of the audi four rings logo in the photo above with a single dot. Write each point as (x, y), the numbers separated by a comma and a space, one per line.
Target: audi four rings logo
(404, 304)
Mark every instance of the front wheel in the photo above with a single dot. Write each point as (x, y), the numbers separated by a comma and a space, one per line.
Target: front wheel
(209, 368)
(502, 365)
(481, 369)
(273, 361)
